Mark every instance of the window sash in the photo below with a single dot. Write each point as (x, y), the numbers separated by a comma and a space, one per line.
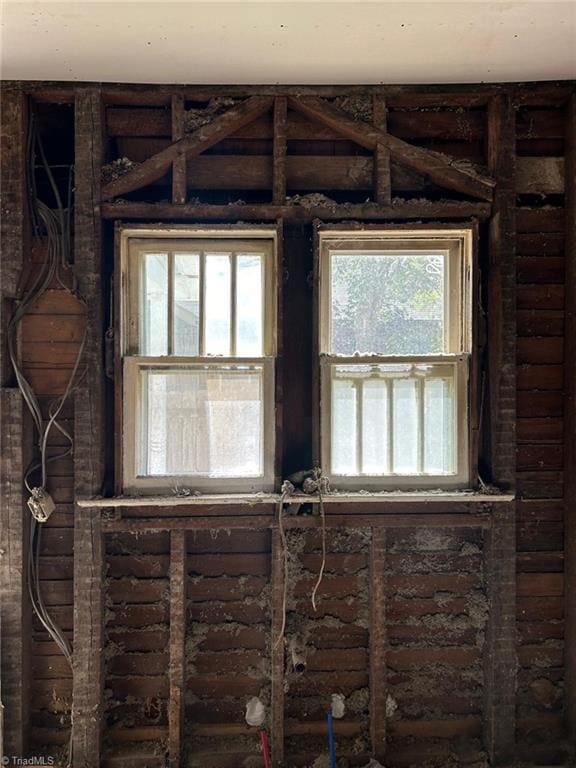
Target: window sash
(452, 367)
(134, 429)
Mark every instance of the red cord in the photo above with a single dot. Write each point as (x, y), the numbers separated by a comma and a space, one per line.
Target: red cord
(265, 752)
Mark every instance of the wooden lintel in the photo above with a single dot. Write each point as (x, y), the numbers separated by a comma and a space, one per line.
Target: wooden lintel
(277, 652)
(279, 158)
(177, 646)
(179, 181)
(203, 138)
(240, 212)
(442, 169)
(381, 169)
(378, 688)
(264, 521)
(570, 420)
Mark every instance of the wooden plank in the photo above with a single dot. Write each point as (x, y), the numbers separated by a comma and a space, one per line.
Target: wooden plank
(278, 649)
(279, 151)
(87, 702)
(382, 183)
(16, 618)
(378, 686)
(193, 144)
(501, 293)
(177, 647)
(570, 418)
(397, 211)
(179, 163)
(442, 170)
(500, 646)
(540, 175)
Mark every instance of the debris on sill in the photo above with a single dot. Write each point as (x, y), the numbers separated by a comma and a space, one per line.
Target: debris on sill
(195, 118)
(358, 107)
(313, 200)
(117, 168)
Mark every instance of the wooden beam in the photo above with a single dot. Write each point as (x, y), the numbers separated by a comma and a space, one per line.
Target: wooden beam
(177, 647)
(15, 626)
(277, 652)
(196, 142)
(179, 181)
(570, 420)
(237, 212)
(441, 169)
(501, 149)
(381, 170)
(378, 687)
(279, 159)
(89, 422)
(500, 662)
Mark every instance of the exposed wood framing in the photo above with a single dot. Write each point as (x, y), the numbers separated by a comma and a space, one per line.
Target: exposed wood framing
(403, 210)
(89, 422)
(570, 420)
(177, 646)
(439, 168)
(179, 164)
(378, 688)
(196, 142)
(502, 293)
(279, 156)
(277, 652)
(500, 646)
(15, 629)
(381, 170)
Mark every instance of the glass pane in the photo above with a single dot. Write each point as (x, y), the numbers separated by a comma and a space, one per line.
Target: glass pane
(344, 460)
(154, 312)
(186, 303)
(388, 303)
(439, 427)
(249, 296)
(374, 427)
(405, 405)
(217, 304)
(203, 422)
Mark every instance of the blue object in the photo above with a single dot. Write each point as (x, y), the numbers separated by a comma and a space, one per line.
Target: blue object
(331, 740)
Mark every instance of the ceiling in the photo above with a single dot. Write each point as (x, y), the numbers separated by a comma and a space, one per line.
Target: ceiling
(296, 42)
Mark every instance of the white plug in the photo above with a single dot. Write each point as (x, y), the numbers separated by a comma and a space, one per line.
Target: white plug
(41, 504)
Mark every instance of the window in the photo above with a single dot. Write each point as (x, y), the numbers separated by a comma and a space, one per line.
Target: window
(198, 326)
(395, 345)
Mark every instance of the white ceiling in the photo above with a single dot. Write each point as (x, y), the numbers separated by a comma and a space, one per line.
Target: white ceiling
(296, 42)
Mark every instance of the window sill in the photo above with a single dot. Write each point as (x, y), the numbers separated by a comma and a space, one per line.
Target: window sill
(255, 499)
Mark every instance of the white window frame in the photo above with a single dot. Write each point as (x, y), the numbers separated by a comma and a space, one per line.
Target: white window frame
(458, 328)
(134, 242)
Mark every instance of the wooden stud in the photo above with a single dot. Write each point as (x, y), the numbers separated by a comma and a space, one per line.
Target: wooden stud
(279, 158)
(500, 661)
(177, 647)
(404, 210)
(378, 688)
(277, 652)
(501, 149)
(179, 164)
(570, 420)
(196, 142)
(381, 171)
(440, 169)
(89, 420)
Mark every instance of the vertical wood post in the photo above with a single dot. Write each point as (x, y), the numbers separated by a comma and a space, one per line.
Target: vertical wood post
(179, 180)
(279, 159)
(15, 624)
(570, 421)
(382, 182)
(87, 688)
(378, 688)
(177, 639)
(277, 652)
(500, 648)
